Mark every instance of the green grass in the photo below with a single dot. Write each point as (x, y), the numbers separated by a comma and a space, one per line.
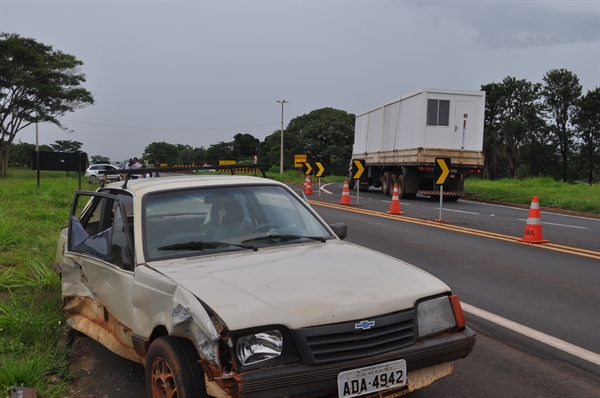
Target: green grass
(560, 195)
(33, 346)
(34, 350)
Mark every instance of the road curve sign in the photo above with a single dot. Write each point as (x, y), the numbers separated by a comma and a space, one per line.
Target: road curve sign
(441, 170)
(320, 171)
(307, 168)
(358, 169)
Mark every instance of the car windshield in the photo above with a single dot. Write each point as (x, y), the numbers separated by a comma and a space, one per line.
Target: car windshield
(178, 223)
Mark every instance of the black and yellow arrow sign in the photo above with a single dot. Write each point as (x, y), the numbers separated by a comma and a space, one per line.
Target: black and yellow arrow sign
(321, 169)
(307, 168)
(358, 167)
(441, 170)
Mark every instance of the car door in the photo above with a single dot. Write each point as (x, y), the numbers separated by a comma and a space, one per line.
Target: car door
(98, 270)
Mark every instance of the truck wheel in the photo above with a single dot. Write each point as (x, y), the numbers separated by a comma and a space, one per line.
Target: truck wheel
(385, 183)
(172, 369)
(451, 198)
(401, 194)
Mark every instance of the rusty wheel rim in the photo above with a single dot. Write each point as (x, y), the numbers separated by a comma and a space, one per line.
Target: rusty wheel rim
(163, 380)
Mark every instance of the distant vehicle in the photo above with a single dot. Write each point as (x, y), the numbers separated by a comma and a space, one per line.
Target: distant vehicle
(95, 172)
(399, 141)
(233, 286)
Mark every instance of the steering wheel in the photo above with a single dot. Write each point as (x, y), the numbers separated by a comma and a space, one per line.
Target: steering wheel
(262, 228)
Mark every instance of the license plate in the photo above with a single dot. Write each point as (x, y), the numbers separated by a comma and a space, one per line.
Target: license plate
(353, 383)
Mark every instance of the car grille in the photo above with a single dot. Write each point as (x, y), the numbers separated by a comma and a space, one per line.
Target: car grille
(343, 341)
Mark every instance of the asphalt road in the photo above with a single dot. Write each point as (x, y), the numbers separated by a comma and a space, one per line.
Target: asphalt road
(555, 293)
(562, 229)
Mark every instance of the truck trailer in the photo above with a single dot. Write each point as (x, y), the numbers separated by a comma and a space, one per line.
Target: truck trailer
(399, 141)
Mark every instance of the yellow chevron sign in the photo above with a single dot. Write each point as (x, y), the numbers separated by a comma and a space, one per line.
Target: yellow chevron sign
(358, 168)
(321, 169)
(442, 170)
(307, 168)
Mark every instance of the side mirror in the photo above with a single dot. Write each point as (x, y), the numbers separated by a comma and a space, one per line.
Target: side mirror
(340, 229)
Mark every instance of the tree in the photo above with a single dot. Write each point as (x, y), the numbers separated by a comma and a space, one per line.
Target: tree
(37, 85)
(325, 135)
(269, 151)
(492, 166)
(220, 151)
(161, 151)
(96, 159)
(587, 119)
(561, 92)
(245, 146)
(512, 115)
(22, 153)
(66, 146)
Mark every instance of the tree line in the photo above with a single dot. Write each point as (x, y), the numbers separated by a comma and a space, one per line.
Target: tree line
(542, 129)
(325, 135)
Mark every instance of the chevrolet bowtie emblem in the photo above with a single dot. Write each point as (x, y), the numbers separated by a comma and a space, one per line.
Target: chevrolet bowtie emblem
(364, 325)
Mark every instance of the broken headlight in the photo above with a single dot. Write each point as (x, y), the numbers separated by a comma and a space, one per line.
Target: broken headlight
(259, 347)
(435, 316)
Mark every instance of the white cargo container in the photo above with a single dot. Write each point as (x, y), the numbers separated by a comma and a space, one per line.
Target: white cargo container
(400, 140)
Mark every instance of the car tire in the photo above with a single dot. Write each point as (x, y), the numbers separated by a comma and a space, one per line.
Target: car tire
(172, 369)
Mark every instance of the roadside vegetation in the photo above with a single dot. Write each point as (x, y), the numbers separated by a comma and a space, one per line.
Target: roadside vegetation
(34, 343)
(34, 349)
(580, 197)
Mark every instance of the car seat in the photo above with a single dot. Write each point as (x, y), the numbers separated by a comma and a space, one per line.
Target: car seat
(226, 216)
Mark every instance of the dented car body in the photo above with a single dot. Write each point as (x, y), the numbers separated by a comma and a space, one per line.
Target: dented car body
(226, 286)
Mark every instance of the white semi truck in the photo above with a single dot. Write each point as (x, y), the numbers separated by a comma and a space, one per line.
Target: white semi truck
(399, 141)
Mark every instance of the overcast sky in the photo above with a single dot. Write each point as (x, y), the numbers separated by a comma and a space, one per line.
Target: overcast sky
(198, 72)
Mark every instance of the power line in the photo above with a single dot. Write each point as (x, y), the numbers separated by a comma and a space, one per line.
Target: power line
(169, 128)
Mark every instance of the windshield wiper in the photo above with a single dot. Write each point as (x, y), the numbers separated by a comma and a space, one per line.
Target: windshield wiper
(286, 237)
(201, 245)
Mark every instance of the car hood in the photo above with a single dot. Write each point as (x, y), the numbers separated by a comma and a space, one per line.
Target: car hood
(301, 285)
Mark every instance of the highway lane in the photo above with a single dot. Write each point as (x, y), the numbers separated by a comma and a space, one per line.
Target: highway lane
(563, 229)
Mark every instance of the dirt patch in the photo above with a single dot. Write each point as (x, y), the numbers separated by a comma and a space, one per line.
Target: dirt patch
(103, 374)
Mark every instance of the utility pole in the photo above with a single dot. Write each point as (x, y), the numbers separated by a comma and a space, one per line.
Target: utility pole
(282, 102)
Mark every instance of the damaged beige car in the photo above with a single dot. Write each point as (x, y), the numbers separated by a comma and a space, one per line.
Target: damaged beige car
(227, 286)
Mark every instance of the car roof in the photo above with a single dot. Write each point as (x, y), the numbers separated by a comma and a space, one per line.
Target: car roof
(142, 186)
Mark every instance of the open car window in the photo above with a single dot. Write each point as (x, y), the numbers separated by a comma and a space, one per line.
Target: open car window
(98, 227)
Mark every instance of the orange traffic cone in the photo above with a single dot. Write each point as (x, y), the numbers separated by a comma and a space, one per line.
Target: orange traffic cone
(345, 195)
(308, 186)
(533, 227)
(395, 206)
(304, 183)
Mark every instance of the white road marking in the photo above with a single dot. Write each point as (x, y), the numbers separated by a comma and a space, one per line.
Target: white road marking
(401, 203)
(561, 225)
(326, 191)
(543, 212)
(534, 334)
(457, 211)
